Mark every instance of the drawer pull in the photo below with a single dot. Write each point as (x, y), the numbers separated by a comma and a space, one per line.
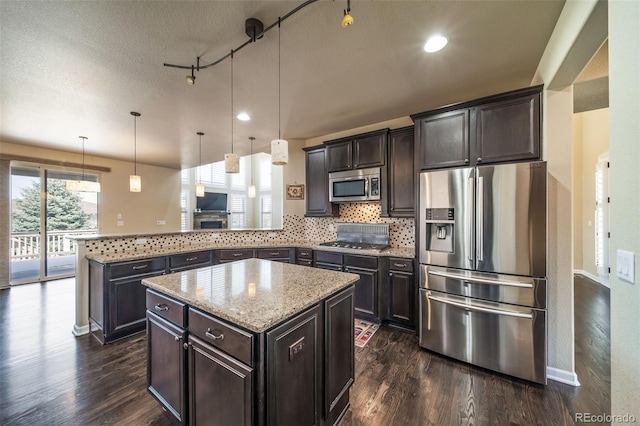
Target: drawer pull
(237, 254)
(140, 267)
(191, 259)
(213, 336)
(161, 307)
(304, 253)
(399, 265)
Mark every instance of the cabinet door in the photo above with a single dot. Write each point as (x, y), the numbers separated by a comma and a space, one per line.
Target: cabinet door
(340, 156)
(165, 365)
(401, 187)
(401, 298)
(127, 307)
(220, 388)
(444, 140)
(294, 366)
(508, 130)
(317, 182)
(339, 353)
(369, 150)
(366, 293)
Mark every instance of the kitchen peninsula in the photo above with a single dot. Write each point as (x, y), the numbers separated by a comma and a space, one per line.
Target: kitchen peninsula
(251, 342)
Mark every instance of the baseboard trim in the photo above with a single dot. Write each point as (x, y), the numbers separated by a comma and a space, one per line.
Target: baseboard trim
(592, 277)
(563, 376)
(80, 330)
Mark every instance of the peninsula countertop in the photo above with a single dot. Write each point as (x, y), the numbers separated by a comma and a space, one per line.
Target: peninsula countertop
(255, 294)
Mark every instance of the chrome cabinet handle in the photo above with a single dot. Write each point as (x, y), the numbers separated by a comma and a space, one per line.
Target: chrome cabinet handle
(161, 307)
(304, 253)
(237, 254)
(140, 267)
(479, 308)
(274, 254)
(189, 259)
(480, 280)
(400, 265)
(210, 335)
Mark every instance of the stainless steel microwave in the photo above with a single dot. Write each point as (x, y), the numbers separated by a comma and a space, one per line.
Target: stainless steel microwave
(354, 185)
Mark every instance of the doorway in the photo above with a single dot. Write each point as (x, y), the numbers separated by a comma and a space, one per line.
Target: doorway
(45, 219)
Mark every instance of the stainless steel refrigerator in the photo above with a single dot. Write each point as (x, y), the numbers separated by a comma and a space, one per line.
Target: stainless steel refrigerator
(482, 235)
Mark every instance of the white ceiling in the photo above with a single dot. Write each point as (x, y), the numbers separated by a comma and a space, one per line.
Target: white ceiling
(79, 68)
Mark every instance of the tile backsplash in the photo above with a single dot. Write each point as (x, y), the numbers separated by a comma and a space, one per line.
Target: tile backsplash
(295, 228)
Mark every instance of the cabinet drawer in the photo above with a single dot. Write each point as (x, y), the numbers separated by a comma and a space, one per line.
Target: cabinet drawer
(232, 340)
(187, 259)
(167, 308)
(137, 267)
(328, 257)
(235, 254)
(304, 253)
(368, 262)
(305, 262)
(400, 264)
(276, 253)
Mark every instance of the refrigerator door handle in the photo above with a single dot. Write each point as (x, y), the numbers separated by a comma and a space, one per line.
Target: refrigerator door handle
(480, 308)
(468, 219)
(480, 230)
(480, 280)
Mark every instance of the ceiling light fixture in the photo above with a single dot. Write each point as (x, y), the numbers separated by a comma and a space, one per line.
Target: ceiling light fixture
(435, 43)
(243, 116)
(279, 147)
(251, 190)
(200, 186)
(82, 185)
(347, 19)
(231, 161)
(135, 181)
(191, 79)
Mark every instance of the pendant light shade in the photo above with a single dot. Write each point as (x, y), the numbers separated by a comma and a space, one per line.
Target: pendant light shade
(279, 147)
(82, 185)
(199, 190)
(135, 181)
(200, 186)
(347, 19)
(251, 190)
(231, 160)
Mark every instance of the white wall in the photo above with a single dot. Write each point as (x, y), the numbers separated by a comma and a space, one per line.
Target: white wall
(624, 102)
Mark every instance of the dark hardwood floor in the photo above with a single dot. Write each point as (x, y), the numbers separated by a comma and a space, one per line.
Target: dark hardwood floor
(48, 376)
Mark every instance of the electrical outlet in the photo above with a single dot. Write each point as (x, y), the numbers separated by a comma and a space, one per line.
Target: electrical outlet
(161, 222)
(119, 216)
(120, 223)
(141, 241)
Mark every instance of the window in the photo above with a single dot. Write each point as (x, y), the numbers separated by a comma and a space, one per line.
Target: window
(266, 212)
(212, 174)
(238, 207)
(184, 209)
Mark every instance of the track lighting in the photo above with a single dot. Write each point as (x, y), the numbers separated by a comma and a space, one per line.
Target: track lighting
(347, 19)
(231, 160)
(191, 79)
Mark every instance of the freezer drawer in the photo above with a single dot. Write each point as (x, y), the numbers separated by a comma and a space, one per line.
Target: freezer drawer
(504, 338)
(524, 291)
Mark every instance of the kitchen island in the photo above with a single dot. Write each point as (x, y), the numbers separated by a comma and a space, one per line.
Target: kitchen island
(251, 342)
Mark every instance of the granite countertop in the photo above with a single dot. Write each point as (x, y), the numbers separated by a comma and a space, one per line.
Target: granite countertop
(255, 294)
(146, 252)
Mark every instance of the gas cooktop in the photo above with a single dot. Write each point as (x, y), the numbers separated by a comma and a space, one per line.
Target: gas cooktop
(354, 245)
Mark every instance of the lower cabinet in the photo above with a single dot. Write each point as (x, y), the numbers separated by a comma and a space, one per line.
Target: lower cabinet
(366, 293)
(206, 371)
(401, 295)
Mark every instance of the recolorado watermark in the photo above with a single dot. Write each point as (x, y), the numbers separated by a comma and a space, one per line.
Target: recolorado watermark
(604, 418)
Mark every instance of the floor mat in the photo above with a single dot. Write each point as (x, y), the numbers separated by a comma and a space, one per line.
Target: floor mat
(364, 330)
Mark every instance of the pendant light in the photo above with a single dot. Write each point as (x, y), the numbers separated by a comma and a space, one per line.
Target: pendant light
(231, 161)
(279, 147)
(82, 185)
(135, 182)
(200, 186)
(251, 191)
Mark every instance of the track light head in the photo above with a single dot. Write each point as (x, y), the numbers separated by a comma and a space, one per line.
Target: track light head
(191, 79)
(347, 19)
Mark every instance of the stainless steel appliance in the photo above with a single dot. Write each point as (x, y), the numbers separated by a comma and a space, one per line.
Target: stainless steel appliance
(360, 236)
(483, 266)
(355, 185)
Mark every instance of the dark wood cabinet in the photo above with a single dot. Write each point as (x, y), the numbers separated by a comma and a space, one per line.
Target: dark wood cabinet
(220, 387)
(294, 363)
(357, 152)
(494, 129)
(277, 254)
(508, 130)
(339, 373)
(231, 255)
(117, 297)
(401, 292)
(304, 256)
(366, 289)
(184, 261)
(317, 183)
(166, 365)
(400, 194)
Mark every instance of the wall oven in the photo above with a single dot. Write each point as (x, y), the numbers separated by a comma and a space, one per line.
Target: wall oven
(355, 185)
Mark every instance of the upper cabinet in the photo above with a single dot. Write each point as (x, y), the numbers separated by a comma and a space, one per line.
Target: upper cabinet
(400, 194)
(357, 152)
(495, 129)
(317, 181)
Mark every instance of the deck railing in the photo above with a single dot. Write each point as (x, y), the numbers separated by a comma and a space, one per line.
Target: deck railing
(26, 245)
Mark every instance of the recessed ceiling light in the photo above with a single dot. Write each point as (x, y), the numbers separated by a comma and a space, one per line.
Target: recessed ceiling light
(435, 43)
(243, 116)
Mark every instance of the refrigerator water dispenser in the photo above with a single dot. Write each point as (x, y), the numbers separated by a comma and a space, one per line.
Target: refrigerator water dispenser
(440, 230)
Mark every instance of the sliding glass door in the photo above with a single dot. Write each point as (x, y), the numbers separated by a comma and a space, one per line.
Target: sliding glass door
(45, 217)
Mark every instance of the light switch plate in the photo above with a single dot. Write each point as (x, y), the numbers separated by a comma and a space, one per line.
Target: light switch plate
(625, 265)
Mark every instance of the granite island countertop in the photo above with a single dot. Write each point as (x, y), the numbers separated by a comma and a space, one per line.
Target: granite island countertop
(255, 294)
(150, 252)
